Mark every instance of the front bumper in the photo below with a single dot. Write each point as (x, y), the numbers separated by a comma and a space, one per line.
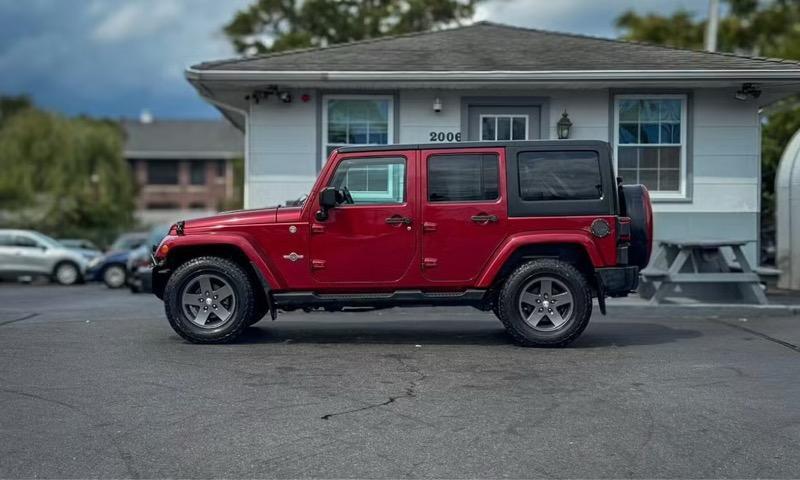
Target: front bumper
(617, 281)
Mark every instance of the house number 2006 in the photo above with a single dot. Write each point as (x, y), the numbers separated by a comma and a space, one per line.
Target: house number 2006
(445, 136)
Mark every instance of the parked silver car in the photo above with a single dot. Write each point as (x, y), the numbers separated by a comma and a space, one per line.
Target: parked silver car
(29, 253)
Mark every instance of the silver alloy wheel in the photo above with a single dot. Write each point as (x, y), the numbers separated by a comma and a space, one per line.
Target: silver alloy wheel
(208, 301)
(66, 274)
(546, 303)
(114, 276)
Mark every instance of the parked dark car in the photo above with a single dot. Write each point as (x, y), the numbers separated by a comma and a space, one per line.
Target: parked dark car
(140, 266)
(111, 267)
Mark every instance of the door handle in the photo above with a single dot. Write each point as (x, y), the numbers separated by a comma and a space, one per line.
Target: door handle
(483, 218)
(398, 220)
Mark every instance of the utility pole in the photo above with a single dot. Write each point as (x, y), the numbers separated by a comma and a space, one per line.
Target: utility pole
(712, 25)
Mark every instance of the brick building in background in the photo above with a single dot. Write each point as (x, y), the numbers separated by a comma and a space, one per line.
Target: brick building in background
(183, 168)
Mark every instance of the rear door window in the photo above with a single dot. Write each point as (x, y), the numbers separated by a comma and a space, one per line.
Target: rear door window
(463, 177)
(567, 175)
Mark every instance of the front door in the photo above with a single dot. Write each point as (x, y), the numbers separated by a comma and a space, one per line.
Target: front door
(370, 239)
(464, 212)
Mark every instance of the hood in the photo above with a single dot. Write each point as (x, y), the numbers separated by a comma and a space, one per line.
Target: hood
(229, 219)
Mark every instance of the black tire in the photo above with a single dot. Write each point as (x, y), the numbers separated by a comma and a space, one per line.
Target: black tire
(117, 281)
(509, 310)
(636, 204)
(61, 279)
(243, 313)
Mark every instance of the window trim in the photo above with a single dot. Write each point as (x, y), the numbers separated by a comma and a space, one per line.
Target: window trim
(511, 125)
(682, 193)
(324, 127)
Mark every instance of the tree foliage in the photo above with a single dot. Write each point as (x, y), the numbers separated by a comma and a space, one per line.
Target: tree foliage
(66, 177)
(749, 27)
(276, 25)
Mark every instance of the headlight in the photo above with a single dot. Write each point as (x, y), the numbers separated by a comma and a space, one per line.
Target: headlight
(95, 262)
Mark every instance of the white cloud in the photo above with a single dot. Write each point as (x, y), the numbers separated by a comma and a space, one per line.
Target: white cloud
(137, 20)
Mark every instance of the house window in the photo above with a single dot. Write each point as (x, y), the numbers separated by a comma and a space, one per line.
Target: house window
(504, 127)
(462, 178)
(162, 172)
(650, 138)
(356, 120)
(197, 173)
(372, 180)
(221, 168)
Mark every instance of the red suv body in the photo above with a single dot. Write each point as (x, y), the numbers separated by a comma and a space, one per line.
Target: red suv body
(442, 224)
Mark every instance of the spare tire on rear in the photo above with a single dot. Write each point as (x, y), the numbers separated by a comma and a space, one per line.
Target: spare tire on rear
(635, 202)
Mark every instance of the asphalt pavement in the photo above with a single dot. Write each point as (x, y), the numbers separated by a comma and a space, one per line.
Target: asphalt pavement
(94, 383)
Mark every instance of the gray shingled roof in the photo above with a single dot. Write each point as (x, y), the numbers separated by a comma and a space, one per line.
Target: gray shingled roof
(185, 139)
(488, 46)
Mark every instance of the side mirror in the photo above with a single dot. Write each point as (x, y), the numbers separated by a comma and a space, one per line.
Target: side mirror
(327, 199)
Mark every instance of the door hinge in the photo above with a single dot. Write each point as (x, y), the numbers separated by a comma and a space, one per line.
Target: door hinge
(317, 264)
(316, 228)
(428, 262)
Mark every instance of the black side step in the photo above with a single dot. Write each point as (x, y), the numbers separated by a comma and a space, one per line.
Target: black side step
(471, 297)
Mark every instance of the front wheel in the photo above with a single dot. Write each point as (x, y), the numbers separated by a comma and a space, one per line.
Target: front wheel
(545, 303)
(209, 300)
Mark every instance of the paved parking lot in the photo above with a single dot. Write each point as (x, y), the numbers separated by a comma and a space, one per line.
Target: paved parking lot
(94, 383)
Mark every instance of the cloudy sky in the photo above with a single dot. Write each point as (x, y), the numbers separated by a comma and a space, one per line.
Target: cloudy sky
(116, 57)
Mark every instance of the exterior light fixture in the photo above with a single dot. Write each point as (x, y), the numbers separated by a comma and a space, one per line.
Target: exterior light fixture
(748, 90)
(285, 97)
(437, 105)
(563, 126)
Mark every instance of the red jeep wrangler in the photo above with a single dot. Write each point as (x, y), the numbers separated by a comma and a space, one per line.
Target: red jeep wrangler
(529, 230)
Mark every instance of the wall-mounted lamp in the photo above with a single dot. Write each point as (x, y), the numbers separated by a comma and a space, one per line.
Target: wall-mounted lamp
(563, 126)
(437, 105)
(748, 90)
(285, 97)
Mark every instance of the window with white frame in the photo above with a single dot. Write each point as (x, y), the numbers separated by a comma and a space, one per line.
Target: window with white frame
(650, 138)
(356, 120)
(504, 127)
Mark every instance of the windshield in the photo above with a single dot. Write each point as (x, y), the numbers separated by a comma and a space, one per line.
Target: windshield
(47, 241)
(128, 241)
(157, 234)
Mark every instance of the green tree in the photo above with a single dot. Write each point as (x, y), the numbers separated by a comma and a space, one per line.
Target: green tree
(276, 25)
(66, 177)
(11, 105)
(750, 27)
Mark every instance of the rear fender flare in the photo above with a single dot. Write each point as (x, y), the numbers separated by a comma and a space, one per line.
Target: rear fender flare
(515, 242)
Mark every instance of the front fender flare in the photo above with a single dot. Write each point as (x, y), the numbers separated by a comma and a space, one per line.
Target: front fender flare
(254, 254)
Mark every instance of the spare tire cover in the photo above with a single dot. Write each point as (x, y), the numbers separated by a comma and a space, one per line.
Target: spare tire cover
(636, 201)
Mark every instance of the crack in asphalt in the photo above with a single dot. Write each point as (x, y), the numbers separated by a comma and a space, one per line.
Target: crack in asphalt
(24, 317)
(778, 341)
(410, 392)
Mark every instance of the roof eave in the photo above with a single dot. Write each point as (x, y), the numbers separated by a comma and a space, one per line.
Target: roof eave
(197, 75)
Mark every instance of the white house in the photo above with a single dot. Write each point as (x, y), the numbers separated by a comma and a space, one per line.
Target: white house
(685, 123)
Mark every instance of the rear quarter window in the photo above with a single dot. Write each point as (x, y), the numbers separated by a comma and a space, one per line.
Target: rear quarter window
(567, 175)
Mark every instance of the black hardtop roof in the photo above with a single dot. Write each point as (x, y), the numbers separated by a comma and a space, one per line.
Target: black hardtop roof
(458, 145)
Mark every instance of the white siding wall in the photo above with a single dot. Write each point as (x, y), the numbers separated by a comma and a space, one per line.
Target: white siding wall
(282, 150)
(725, 151)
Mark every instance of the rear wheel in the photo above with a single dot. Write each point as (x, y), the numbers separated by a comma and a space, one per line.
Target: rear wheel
(114, 276)
(209, 300)
(545, 303)
(66, 273)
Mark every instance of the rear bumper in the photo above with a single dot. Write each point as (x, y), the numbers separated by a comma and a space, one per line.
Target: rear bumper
(617, 281)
